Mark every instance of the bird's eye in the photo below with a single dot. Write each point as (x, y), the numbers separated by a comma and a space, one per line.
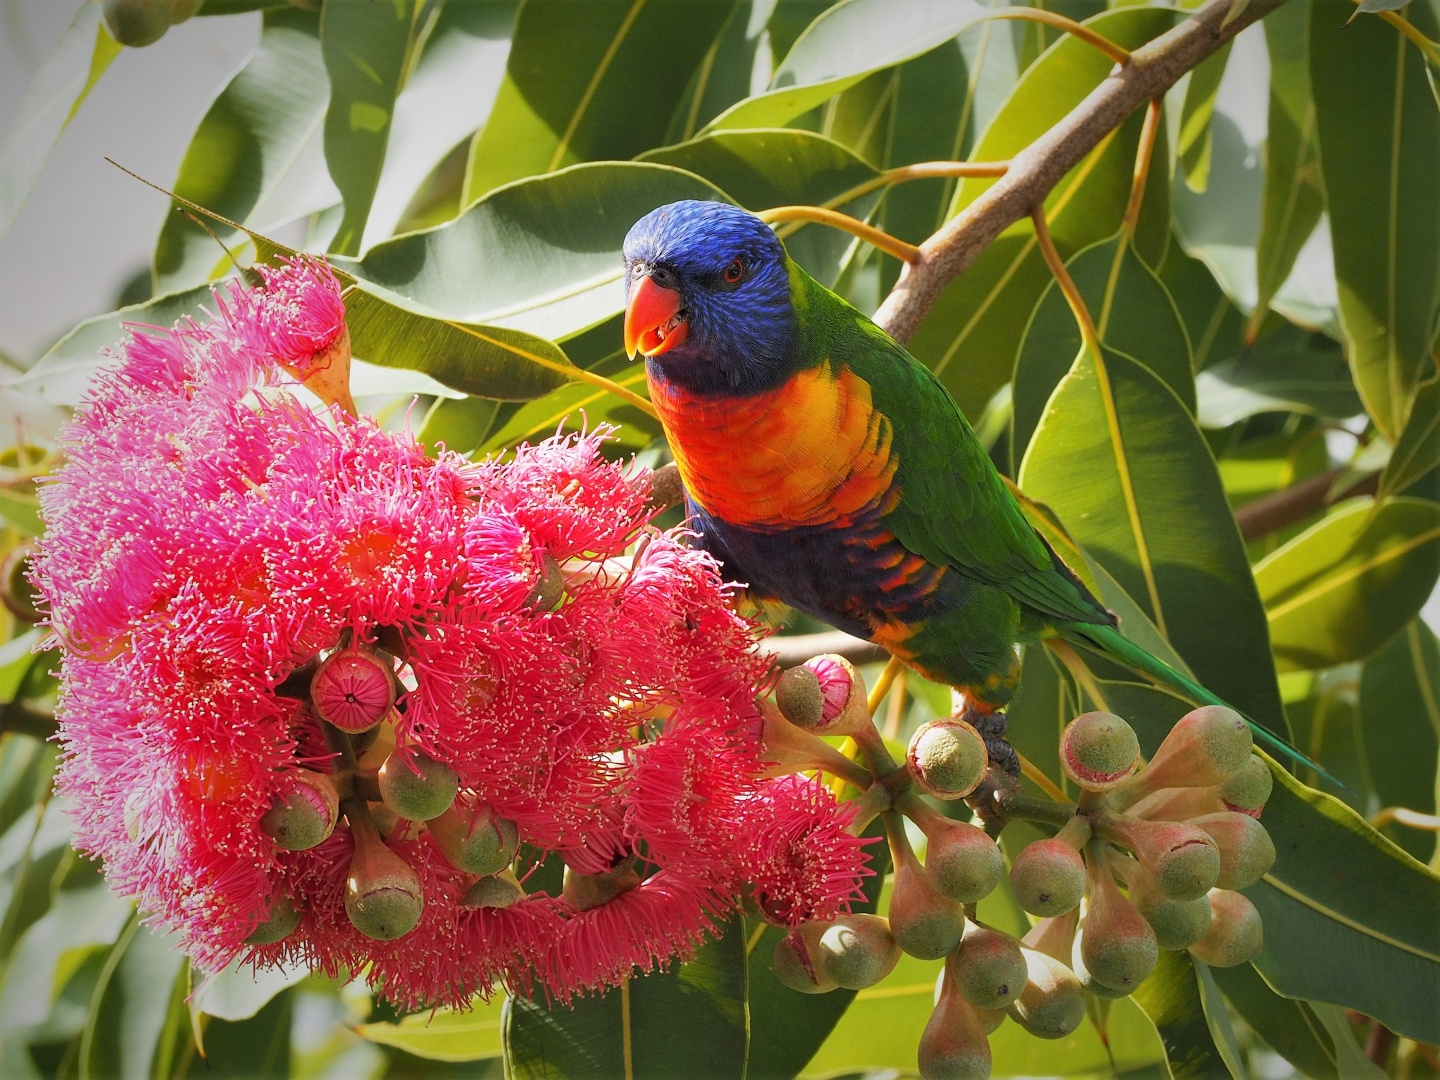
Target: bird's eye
(734, 272)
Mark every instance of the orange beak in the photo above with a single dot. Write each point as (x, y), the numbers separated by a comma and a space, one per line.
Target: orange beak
(652, 319)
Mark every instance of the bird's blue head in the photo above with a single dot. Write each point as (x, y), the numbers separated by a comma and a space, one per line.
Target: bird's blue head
(707, 298)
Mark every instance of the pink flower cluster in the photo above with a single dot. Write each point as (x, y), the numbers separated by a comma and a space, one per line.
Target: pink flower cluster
(212, 538)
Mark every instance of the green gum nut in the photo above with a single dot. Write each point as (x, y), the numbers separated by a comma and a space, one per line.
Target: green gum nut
(1183, 859)
(549, 589)
(18, 595)
(953, 1045)
(960, 859)
(383, 897)
(284, 917)
(137, 23)
(947, 758)
(476, 841)
(1048, 878)
(416, 786)
(1052, 1005)
(1236, 934)
(1115, 946)
(1206, 746)
(1249, 789)
(988, 968)
(1246, 851)
(496, 891)
(1098, 750)
(798, 696)
(857, 951)
(1178, 924)
(303, 810)
(926, 923)
(797, 962)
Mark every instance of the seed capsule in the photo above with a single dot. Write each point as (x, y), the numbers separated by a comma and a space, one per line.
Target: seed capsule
(476, 841)
(988, 967)
(857, 950)
(1183, 859)
(1206, 747)
(947, 758)
(1246, 850)
(497, 891)
(1249, 789)
(798, 695)
(1098, 750)
(953, 1045)
(1115, 946)
(845, 711)
(416, 786)
(797, 962)
(1048, 877)
(960, 859)
(1236, 934)
(550, 588)
(1052, 1005)
(303, 811)
(16, 592)
(383, 897)
(1178, 924)
(353, 690)
(926, 922)
(137, 23)
(280, 924)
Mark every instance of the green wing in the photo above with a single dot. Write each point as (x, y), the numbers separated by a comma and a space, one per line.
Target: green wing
(954, 509)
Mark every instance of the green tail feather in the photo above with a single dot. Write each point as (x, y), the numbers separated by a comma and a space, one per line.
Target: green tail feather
(1109, 641)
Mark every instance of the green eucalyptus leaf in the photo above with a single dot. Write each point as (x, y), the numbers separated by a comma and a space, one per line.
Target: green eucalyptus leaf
(446, 1034)
(131, 1006)
(60, 86)
(1349, 583)
(687, 1021)
(1380, 155)
(1417, 452)
(1195, 115)
(1348, 917)
(1133, 314)
(1287, 370)
(369, 50)
(239, 992)
(257, 1046)
(1400, 711)
(1185, 1006)
(1120, 461)
(1212, 320)
(727, 71)
(589, 79)
(1291, 1027)
(247, 147)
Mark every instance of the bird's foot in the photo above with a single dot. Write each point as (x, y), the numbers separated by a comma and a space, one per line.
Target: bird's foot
(991, 726)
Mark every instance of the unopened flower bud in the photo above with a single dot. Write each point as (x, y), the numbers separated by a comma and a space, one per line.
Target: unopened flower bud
(1249, 789)
(383, 897)
(1054, 937)
(857, 950)
(1236, 934)
(284, 917)
(926, 922)
(1098, 750)
(476, 841)
(550, 588)
(1048, 876)
(947, 758)
(988, 967)
(798, 695)
(303, 811)
(1183, 859)
(953, 1045)
(1176, 804)
(496, 891)
(797, 961)
(1246, 850)
(1115, 946)
(416, 786)
(1052, 1004)
(844, 710)
(1178, 924)
(16, 592)
(1206, 747)
(960, 859)
(353, 690)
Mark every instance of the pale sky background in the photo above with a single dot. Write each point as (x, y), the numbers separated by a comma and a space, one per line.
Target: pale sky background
(88, 227)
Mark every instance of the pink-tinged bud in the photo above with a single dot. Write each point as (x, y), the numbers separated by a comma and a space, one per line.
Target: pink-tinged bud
(1206, 747)
(1177, 804)
(1048, 876)
(1115, 946)
(961, 860)
(416, 786)
(1236, 934)
(284, 917)
(988, 967)
(947, 758)
(926, 922)
(1098, 750)
(799, 698)
(845, 711)
(1178, 924)
(497, 891)
(1183, 859)
(550, 588)
(476, 841)
(797, 961)
(1054, 937)
(1249, 789)
(16, 592)
(858, 950)
(1052, 1005)
(1246, 851)
(303, 811)
(383, 897)
(353, 690)
(953, 1045)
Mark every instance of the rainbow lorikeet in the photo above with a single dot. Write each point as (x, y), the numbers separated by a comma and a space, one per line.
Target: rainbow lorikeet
(827, 468)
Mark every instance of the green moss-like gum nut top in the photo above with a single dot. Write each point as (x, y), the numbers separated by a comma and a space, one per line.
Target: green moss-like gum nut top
(493, 892)
(947, 758)
(1236, 933)
(383, 897)
(477, 842)
(284, 917)
(962, 861)
(953, 1045)
(988, 967)
(1206, 746)
(1249, 789)
(798, 696)
(303, 811)
(416, 786)
(137, 23)
(1052, 1005)
(1178, 924)
(797, 965)
(857, 951)
(1187, 865)
(1048, 878)
(1098, 750)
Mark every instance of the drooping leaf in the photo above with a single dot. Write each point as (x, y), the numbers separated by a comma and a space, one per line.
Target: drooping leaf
(1195, 117)
(1379, 136)
(689, 1021)
(246, 147)
(1292, 200)
(1186, 1009)
(1418, 450)
(1293, 1028)
(1120, 461)
(1348, 916)
(369, 51)
(445, 1035)
(60, 86)
(588, 80)
(1344, 587)
(1400, 710)
(1220, 225)
(254, 1048)
(131, 1005)
(1215, 325)
(1133, 314)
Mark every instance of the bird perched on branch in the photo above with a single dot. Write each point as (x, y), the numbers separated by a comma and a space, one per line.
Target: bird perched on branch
(827, 468)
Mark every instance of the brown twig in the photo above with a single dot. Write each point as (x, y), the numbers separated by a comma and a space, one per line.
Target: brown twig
(1292, 505)
(1152, 70)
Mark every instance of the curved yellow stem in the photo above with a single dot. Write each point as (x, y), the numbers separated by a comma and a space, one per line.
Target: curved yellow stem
(882, 684)
(1405, 816)
(1070, 26)
(1032, 772)
(891, 245)
(1143, 153)
(1067, 284)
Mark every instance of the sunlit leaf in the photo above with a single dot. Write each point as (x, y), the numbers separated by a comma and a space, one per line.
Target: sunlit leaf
(445, 1035)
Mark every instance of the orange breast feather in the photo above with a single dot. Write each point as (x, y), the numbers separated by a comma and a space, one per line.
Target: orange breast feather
(812, 452)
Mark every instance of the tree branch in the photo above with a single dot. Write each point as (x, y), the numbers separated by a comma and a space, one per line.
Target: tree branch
(1152, 70)
(1292, 505)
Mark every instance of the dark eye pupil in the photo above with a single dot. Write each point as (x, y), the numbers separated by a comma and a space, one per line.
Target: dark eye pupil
(734, 270)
